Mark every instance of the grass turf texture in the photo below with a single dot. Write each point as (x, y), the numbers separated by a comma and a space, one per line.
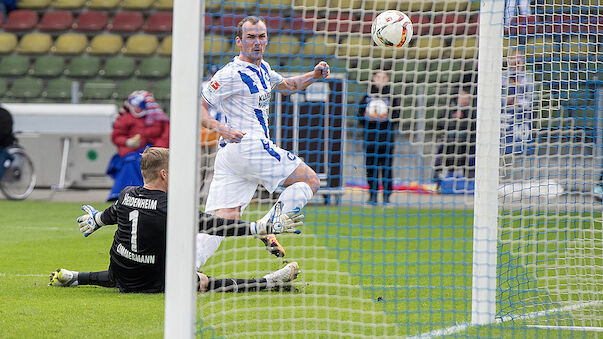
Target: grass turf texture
(366, 272)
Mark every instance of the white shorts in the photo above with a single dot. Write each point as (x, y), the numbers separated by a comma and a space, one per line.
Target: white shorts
(207, 245)
(240, 167)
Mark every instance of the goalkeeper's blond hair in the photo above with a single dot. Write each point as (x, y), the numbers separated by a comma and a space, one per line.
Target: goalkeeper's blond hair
(153, 160)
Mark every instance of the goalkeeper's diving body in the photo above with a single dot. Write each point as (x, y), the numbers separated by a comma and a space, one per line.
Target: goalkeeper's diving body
(137, 256)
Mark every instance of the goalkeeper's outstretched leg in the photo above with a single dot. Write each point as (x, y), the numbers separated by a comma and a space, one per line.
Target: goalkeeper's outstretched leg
(279, 278)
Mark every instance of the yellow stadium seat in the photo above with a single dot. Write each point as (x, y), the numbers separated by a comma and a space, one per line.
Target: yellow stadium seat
(450, 5)
(320, 45)
(464, 48)
(427, 48)
(166, 46)
(105, 44)
(356, 45)
(401, 5)
(70, 44)
(539, 47)
(68, 4)
(164, 5)
(35, 43)
(136, 4)
(313, 4)
(141, 44)
(8, 42)
(215, 44)
(238, 5)
(33, 4)
(272, 3)
(345, 4)
(579, 47)
(103, 4)
(283, 44)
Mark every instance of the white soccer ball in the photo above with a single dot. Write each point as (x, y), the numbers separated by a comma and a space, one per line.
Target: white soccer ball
(392, 29)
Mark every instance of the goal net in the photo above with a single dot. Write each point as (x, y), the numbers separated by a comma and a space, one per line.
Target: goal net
(388, 245)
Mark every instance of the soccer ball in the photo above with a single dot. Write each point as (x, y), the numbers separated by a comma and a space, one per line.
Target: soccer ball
(392, 29)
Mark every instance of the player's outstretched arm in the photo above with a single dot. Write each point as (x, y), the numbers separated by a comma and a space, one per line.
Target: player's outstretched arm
(229, 134)
(301, 82)
(281, 223)
(91, 221)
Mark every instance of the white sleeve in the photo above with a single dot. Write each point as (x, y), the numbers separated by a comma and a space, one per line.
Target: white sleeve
(218, 88)
(275, 78)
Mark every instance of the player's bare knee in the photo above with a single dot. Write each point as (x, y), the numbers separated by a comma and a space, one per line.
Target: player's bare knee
(229, 213)
(203, 282)
(313, 182)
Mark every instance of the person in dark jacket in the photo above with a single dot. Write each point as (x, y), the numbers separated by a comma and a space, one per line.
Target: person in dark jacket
(456, 152)
(378, 117)
(7, 138)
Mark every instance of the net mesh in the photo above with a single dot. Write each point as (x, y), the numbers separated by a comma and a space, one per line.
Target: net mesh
(377, 269)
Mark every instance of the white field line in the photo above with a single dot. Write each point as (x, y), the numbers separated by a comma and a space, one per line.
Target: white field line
(465, 326)
(570, 328)
(23, 275)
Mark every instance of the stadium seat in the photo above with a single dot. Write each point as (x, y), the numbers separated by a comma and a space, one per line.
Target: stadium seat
(159, 22)
(141, 44)
(284, 45)
(166, 46)
(427, 47)
(59, 89)
(154, 67)
(105, 44)
(540, 47)
(3, 86)
(216, 44)
(26, 88)
(356, 45)
(578, 47)
(103, 4)
(319, 45)
(118, 67)
(224, 23)
(126, 87)
(162, 90)
(33, 4)
(229, 6)
(401, 5)
(136, 4)
(83, 67)
(98, 90)
(48, 66)
(14, 65)
(464, 47)
(35, 43)
(450, 5)
(91, 21)
(409, 71)
(449, 23)
(21, 20)
(56, 21)
(8, 42)
(70, 44)
(68, 4)
(126, 22)
(164, 5)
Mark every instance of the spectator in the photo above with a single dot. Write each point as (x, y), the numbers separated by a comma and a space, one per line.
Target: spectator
(517, 101)
(378, 116)
(456, 153)
(511, 7)
(209, 144)
(7, 138)
(141, 123)
(5, 7)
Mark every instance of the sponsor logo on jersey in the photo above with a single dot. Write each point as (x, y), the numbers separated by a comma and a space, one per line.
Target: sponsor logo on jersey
(214, 85)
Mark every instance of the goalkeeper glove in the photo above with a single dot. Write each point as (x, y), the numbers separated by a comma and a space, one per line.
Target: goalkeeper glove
(91, 221)
(279, 223)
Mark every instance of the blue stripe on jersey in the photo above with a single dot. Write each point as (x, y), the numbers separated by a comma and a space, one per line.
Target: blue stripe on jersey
(265, 69)
(270, 151)
(249, 82)
(260, 115)
(259, 76)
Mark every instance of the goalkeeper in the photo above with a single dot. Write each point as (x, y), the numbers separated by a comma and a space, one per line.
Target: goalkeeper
(137, 256)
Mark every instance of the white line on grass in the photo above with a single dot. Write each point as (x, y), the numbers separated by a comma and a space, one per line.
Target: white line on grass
(465, 326)
(570, 328)
(22, 275)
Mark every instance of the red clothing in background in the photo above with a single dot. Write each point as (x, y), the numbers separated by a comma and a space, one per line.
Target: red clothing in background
(127, 126)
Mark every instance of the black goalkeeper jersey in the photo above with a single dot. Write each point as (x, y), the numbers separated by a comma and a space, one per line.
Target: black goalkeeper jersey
(138, 250)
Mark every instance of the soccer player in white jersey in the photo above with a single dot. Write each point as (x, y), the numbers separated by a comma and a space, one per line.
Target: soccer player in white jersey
(247, 157)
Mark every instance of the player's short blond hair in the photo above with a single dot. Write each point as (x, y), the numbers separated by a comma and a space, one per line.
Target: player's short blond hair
(154, 159)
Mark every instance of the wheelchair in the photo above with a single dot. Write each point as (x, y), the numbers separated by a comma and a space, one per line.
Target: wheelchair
(18, 177)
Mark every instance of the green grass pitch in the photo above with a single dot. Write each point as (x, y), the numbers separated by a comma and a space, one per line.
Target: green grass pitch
(366, 272)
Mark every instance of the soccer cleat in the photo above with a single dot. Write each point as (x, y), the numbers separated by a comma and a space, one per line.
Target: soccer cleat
(63, 277)
(272, 245)
(283, 275)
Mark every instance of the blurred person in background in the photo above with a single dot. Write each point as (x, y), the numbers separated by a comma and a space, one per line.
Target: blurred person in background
(7, 138)
(378, 116)
(456, 152)
(141, 123)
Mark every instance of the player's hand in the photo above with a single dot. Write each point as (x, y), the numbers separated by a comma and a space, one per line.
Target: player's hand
(133, 142)
(90, 221)
(321, 70)
(286, 223)
(230, 134)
